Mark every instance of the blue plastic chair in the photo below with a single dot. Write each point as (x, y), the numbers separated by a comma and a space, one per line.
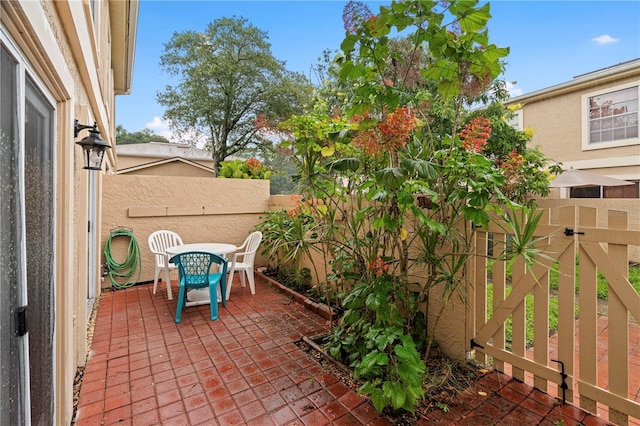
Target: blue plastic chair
(195, 272)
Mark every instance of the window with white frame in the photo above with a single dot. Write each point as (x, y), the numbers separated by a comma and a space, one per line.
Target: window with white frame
(611, 117)
(516, 120)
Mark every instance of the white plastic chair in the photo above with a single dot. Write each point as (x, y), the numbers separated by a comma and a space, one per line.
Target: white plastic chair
(242, 261)
(159, 242)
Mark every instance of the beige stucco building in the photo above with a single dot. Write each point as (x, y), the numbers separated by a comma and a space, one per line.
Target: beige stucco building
(589, 123)
(60, 61)
(164, 159)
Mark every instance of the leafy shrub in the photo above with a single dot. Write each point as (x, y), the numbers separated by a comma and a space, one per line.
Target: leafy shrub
(372, 340)
(249, 169)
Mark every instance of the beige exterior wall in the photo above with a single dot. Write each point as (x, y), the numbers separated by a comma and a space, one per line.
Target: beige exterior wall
(558, 119)
(67, 49)
(198, 209)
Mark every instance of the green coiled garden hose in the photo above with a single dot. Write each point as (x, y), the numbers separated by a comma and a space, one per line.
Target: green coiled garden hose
(131, 263)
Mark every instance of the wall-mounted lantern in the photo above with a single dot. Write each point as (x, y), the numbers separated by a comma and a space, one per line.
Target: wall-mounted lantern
(93, 146)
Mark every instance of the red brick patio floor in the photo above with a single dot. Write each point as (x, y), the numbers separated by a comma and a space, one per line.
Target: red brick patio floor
(245, 369)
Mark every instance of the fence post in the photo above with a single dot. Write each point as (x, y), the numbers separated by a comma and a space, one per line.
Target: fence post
(540, 271)
(478, 276)
(618, 322)
(587, 217)
(567, 299)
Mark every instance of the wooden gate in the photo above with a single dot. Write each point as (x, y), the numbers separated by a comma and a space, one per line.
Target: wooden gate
(583, 355)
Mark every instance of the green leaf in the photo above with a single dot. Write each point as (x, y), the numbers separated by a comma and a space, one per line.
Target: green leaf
(345, 69)
(378, 223)
(382, 359)
(493, 53)
(344, 165)
(369, 360)
(478, 216)
(374, 301)
(475, 20)
(404, 353)
(448, 88)
(368, 388)
(391, 177)
(424, 169)
(479, 198)
(396, 393)
(405, 198)
(328, 151)
(390, 223)
(437, 41)
(379, 399)
(428, 222)
(350, 316)
(349, 43)
(409, 375)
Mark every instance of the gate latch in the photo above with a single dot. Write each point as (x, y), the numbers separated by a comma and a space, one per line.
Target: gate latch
(564, 386)
(570, 232)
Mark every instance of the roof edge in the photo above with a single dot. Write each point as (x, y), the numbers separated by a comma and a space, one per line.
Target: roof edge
(612, 73)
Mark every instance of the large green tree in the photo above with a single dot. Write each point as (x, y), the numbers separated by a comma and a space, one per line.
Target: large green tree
(230, 87)
(123, 137)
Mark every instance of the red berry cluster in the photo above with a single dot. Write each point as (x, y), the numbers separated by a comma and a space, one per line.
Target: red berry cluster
(378, 266)
(475, 134)
(253, 164)
(390, 135)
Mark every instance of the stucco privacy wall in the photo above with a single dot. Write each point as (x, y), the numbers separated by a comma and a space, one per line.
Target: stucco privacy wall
(198, 209)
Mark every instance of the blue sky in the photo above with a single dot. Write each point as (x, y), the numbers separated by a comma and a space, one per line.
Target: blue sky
(551, 41)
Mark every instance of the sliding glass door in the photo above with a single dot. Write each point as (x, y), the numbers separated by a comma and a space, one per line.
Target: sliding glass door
(27, 171)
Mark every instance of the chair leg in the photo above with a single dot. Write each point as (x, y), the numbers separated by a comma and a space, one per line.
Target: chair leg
(213, 301)
(252, 283)
(155, 280)
(181, 301)
(230, 281)
(224, 291)
(168, 278)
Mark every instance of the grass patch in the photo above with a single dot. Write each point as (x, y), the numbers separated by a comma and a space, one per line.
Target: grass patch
(553, 316)
(603, 288)
(603, 285)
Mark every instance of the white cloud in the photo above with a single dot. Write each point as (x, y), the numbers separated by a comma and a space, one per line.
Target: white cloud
(160, 127)
(163, 128)
(604, 39)
(513, 90)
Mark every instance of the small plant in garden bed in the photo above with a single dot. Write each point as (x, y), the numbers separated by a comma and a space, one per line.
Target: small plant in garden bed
(296, 279)
(442, 387)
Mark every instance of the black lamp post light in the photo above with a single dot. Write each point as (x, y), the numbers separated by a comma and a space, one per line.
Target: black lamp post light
(93, 146)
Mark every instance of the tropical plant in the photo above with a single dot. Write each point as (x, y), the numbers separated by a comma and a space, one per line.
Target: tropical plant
(288, 237)
(397, 179)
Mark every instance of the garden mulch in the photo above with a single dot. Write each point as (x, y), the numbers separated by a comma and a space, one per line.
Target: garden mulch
(248, 368)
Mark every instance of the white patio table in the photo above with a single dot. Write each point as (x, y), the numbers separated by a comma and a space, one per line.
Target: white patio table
(201, 296)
